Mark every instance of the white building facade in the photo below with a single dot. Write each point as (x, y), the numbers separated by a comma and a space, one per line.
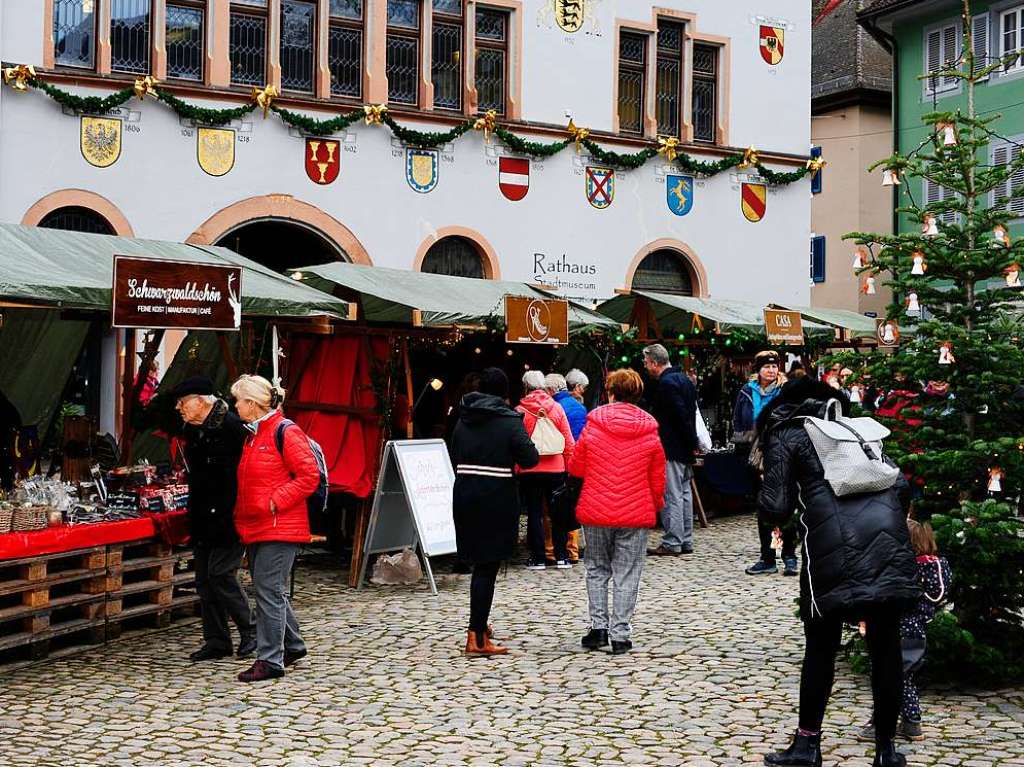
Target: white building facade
(697, 70)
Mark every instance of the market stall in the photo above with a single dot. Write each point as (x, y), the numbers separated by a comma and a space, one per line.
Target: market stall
(85, 548)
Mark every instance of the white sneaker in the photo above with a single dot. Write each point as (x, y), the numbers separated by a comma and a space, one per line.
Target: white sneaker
(562, 564)
(531, 565)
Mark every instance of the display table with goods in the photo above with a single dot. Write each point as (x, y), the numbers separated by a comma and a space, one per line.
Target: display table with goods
(78, 562)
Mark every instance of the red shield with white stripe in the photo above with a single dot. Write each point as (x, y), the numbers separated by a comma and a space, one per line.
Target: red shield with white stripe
(513, 177)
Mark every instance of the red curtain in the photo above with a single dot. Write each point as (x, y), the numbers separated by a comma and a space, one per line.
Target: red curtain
(335, 370)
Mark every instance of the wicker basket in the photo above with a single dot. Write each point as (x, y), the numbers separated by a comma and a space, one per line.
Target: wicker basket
(6, 517)
(29, 518)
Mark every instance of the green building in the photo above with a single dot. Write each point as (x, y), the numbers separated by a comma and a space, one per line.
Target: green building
(924, 34)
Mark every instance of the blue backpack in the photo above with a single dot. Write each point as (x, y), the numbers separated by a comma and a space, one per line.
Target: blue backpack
(316, 503)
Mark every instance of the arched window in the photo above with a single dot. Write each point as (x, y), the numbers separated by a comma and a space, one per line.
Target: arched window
(454, 256)
(664, 271)
(75, 219)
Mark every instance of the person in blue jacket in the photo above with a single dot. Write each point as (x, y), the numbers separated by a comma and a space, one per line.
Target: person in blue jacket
(574, 411)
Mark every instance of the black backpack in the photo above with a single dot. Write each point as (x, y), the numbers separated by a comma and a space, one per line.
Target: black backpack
(316, 503)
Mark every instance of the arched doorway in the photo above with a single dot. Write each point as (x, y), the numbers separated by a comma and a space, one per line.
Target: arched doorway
(455, 256)
(73, 218)
(664, 271)
(282, 245)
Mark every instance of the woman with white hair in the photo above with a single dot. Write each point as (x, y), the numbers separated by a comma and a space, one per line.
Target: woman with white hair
(276, 475)
(545, 421)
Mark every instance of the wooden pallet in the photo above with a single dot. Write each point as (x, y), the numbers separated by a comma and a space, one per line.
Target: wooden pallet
(147, 587)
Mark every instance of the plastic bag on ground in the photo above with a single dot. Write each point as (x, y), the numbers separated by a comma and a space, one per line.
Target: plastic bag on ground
(402, 569)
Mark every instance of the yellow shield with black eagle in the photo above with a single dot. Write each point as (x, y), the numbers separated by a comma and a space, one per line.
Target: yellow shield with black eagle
(215, 148)
(101, 140)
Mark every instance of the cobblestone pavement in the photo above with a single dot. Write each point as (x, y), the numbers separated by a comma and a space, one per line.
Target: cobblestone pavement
(712, 682)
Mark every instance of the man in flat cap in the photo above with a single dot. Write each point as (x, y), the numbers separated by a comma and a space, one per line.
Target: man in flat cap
(214, 437)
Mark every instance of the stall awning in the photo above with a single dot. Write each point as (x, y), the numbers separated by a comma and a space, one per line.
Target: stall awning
(676, 313)
(73, 270)
(858, 325)
(391, 295)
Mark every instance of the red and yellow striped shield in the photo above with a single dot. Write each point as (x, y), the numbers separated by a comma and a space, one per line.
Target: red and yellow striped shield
(753, 201)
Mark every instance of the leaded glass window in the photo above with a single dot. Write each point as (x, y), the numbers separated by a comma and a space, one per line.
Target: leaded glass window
(298, 21)
(632, 74)
(454, 256)
(184, 41)
(446, 66)
(248, 49)
(491, 60)
(74, 33)
(129, 36)
(705, 92)
(403, 51)
(449, 7)
(347, 9)
(345, 58)
(663, 271)
(76, 219)
(404, 13)
(669, 78)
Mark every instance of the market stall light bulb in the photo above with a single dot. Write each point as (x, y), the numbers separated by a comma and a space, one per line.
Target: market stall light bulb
(297, 275)
(436, 384)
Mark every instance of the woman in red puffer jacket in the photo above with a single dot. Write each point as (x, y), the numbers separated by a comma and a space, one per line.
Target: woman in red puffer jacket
(538, 484)
(622, 463)
(271, 519)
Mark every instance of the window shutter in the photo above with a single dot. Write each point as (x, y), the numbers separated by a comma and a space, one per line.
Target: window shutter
(818, 259)
(950, 54)
(816, 180)
(1016, 184)
(1000, 156)
(979, 41)
(934, 54)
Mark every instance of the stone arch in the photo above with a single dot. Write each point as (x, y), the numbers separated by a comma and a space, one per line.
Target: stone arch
(79, 198)
(282, 207)
(698, 274)
(488, 256)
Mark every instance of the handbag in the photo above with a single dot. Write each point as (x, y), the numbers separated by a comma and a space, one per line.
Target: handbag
(850, 452)
(564, 499)
(546, 436)
(703, 435)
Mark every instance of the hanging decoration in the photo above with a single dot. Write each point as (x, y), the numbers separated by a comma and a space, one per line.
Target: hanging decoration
(1012, 275)
(22, 77)
(930, 226)
(946, 353)
(920, 265)
(860, 257)
(995, 479)
(868, 288)
(890, 178)
(913, 307)
(947, 132)
(1001, 236)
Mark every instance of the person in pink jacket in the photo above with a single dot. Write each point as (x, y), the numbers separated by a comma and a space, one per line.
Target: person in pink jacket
(622, 463)
(537, 485)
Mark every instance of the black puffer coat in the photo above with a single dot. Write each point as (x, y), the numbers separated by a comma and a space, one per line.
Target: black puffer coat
(488, 443)
(212, 452)
(856, 549)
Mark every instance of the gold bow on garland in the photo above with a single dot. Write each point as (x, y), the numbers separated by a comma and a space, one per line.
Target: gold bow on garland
(814, 165)
(579, 135)
(18, 77)
(264, 98)
(375, 115)
(145, 85)
(487, 123)
(669, 147)
(750, 158)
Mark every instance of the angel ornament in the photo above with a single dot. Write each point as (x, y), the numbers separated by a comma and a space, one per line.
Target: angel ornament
(995, 479)
(920, 265)
(946, 354)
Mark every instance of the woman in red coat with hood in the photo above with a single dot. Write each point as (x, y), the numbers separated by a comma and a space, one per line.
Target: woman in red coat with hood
(271, 518)
(622, 463)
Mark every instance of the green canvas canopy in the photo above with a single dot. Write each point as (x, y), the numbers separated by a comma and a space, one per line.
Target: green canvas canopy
(859, 325)
(74, 270)
(391, 295)
(677, 312)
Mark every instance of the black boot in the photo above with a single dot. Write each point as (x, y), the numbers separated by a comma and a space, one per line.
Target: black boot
(888, 756)
(596, 638)
(805, 751)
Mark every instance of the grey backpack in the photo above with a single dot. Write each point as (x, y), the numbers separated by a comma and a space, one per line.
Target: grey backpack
(850, 451)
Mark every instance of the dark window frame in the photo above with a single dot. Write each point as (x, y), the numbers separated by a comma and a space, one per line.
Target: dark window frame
(447, 19)
(486, 43)
(648, 275)
(151, 15)
(816, 180)
(411, 34)
(635, 68)
(706, 77)
(667, 57)
(78, 213)
(314, 52)
(197, 5)
(259, 12)
(819, 261)
(94, 41)
(352, 25)
(444, 250)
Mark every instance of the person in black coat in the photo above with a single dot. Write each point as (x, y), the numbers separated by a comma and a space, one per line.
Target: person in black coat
(489, 442)
(858, 565)
(674, 407)
(214, 437)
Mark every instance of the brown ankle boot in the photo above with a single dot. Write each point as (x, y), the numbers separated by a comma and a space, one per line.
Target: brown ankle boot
(482, 645)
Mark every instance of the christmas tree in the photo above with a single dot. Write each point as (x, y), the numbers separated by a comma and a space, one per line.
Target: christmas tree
(957, 300)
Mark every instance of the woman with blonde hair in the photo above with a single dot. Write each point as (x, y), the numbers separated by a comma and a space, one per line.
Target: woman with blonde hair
(622, 463)
(278, 471)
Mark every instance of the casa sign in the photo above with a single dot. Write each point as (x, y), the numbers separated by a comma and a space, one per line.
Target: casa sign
(536, 320)
(151, 293)
(783, 327)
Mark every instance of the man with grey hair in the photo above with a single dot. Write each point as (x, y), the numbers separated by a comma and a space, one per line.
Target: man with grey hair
(674, 406)
(577, 382)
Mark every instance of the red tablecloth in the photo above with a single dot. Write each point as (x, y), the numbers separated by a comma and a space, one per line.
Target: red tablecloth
(70, 537)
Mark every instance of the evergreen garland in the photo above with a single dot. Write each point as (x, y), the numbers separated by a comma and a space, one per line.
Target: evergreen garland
(410, 136)
(315, 127)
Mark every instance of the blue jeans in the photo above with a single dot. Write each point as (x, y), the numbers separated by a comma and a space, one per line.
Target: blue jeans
(677, 515)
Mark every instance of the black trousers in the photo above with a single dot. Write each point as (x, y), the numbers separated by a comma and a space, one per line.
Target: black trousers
(537, 491)
(481, 594)
(764, 533)
(823, 637)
